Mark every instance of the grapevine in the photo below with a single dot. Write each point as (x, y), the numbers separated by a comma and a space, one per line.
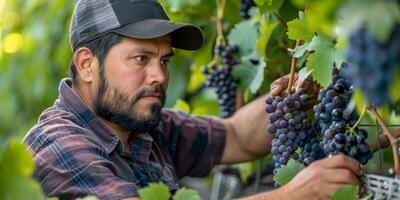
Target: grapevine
(373, 64)
(221, 79)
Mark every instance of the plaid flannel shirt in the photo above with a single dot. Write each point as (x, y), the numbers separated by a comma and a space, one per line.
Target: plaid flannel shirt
(78, 155)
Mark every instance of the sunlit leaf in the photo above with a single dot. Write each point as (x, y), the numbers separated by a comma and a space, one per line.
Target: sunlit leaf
(347, 192)
(157, 191)
(250, 72)
(297, 30)
(244, 35)
(186, 194)
(16, 160)
(287, 172)
(323, 58)
(181, 105)
(266, 30)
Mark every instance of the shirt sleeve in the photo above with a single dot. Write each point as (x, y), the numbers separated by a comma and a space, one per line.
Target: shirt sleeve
(196, 143)
(71, 166)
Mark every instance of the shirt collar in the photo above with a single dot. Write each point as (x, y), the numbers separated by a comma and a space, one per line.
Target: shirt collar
(100, 130)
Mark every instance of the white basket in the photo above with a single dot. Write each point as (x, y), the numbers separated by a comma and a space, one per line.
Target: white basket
(381, 187)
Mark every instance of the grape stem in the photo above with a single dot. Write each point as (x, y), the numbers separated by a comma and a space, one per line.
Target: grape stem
(393, 141)
(359, 119)
(293, 69)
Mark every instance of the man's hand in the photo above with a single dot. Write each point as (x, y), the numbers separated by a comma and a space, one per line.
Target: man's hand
(279, 87)
(322, 178)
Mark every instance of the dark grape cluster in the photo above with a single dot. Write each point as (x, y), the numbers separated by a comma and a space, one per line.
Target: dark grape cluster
(288, 122)
(245, 7)
(220, 78)
(311, 151)
(337, 124)
(372, 64)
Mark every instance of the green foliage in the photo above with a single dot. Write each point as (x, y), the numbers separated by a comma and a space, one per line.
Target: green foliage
(244, 35)
(322, 60)
(181, 106)
(177, 5)
(266, 29)
(297, 30)
(155, 191)
(186, 194)
(160, 191)
(251, 75)
(287, 172)
(347, 192)
(35, 55)
(16, 168)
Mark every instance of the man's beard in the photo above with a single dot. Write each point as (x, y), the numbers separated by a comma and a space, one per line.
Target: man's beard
(115, 106)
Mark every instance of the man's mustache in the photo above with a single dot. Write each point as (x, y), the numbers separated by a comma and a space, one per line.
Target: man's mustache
(155, 90)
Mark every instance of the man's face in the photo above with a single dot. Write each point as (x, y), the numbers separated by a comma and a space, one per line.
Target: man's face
(132, 85)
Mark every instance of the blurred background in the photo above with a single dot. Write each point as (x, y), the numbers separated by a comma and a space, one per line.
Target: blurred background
(35, 55)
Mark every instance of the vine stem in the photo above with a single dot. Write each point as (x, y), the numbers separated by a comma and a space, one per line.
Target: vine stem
(293, 69)
(220, 16)
(383, 141)
(393, 141)
(280, 19)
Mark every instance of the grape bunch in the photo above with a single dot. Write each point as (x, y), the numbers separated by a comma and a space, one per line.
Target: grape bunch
(373, 64)
(311, 151)
(288, 122)
(245, 7)
(221, 79)
(337, 123)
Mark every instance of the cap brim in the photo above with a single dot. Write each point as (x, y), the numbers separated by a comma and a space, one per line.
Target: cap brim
(184, 36)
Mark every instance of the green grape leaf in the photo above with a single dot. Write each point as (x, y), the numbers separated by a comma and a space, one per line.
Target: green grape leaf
(300, 50)
(266, 30)
(297, 30)
(244, 35)
(16, 160)
(287, 172)
(250, 72)
(322, 59)
(186, 194)
(181, 105)
(346, 192)
(246, 170)
(157, 191)
(20, 187)
(304, 74)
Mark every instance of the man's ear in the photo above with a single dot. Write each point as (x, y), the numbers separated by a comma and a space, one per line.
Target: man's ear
(83, 59)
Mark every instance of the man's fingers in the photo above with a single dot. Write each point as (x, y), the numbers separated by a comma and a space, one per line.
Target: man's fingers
(279, 85)
(343, 176)
(276, 90)
(342, 161)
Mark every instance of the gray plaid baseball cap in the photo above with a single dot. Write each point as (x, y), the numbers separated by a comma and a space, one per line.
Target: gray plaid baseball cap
(143, 19)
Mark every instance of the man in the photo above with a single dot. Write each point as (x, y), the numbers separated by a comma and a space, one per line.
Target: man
(107, 134)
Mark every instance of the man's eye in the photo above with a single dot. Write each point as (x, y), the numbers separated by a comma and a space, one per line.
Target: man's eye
(165, 61)
(140, 58)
